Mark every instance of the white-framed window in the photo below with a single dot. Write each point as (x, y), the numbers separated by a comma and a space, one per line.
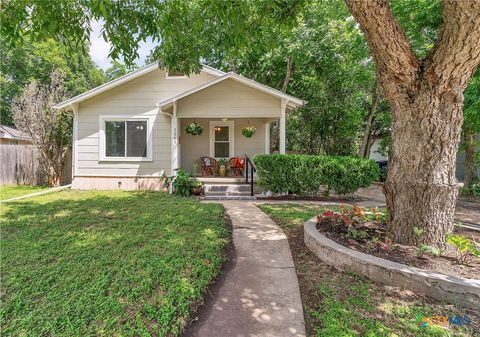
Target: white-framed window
(125, 138)
(172, 74)
(221, 139)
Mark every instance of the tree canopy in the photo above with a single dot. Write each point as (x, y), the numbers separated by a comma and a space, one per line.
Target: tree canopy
(30, 61)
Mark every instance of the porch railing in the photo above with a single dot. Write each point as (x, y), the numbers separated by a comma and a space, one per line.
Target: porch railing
(249, 164)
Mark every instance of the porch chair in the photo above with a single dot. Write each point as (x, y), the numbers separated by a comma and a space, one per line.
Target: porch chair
(208, 166)
(236, 165)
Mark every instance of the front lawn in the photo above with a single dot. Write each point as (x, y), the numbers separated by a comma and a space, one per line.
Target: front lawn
(13, 191)
(107, 263)
(345, 304)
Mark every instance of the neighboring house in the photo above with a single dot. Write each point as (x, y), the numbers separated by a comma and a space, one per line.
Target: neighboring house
(460, 163)
(130, 131)
(11, 136)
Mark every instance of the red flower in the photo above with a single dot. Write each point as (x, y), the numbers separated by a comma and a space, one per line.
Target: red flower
(319, 219)
(328, 213)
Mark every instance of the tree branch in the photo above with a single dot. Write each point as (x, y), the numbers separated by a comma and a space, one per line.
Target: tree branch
(457, 52)
(389, 47)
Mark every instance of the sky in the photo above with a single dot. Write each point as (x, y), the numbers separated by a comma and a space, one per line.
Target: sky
(99, 48)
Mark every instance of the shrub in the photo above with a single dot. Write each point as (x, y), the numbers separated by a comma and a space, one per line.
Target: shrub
(465, 248)
(182, 183)
(304, 174)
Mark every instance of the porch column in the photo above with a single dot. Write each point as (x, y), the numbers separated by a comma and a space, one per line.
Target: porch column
(267, 138)
(282, 126)
(174, 148)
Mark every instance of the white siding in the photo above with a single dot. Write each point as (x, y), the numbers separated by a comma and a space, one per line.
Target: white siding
(137, 97)
(229, 99)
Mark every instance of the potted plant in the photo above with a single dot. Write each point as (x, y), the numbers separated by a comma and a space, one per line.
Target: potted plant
(196, 187)
(181, 183)
(222, 170)
(194, 129)
(248, 131)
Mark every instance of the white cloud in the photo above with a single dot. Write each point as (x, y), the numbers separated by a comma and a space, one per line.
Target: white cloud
(99, 48)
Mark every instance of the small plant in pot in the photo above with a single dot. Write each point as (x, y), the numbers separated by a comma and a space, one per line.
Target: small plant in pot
(222, 169)
(196, 187)
(248, 131)
(194, 129)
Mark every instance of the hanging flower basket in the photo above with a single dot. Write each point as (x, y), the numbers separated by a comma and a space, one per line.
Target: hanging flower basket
(194, 129)
(249, 131)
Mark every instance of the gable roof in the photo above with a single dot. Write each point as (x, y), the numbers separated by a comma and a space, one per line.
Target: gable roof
(123, 79)
(13, 133)
(292, 101)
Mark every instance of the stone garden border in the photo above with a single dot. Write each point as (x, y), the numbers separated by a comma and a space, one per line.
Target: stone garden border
(461, 291)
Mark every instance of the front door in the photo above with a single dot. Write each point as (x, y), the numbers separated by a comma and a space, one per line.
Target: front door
(221, 139)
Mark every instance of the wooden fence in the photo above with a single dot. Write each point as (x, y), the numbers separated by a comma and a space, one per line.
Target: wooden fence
(20, 164)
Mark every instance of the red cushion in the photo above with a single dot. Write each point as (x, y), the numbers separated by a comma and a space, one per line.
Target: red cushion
(239, 162)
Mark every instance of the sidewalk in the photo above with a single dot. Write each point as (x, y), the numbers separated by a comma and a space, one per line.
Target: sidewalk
(259, 296)
(465, 212)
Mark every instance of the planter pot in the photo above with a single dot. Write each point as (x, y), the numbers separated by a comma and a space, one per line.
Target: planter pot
(222, 170)
(196, 190)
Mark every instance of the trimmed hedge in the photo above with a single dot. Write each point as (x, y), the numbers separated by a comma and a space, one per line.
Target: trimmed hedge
(304, 174)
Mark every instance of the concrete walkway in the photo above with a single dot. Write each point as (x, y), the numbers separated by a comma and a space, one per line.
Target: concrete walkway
(259, 295)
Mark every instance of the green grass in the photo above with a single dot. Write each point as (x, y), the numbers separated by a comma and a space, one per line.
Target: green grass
(12, 191)
(345, 304)
(107, 263)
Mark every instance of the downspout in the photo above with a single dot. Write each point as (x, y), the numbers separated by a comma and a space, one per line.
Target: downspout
(74, 107)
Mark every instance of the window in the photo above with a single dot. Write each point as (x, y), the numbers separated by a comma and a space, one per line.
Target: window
(221, 139)
(175, 74)
(222, 144)
(125, 139)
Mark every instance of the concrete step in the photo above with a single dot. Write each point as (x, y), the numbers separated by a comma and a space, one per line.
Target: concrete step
(226, 188)
(220, 193)
(229, 197)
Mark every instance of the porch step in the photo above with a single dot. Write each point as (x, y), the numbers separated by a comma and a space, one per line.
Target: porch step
(230, 197)
(223, 180)
(227, 192)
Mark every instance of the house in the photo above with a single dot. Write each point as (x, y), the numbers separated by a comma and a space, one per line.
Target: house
(131, 131)
(375, 154)
(11, 136)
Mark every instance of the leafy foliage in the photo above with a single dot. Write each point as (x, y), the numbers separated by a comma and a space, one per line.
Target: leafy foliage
(49, 128)
(194, 129)
(249, 131)
(466, 249)
(183, 182)
(304, 174)
(35, 61)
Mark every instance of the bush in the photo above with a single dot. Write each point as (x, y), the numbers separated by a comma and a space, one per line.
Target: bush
(304, 174)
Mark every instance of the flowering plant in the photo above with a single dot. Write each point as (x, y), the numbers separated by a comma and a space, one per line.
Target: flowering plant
(194, 129)
(249, 131)
(356, 224)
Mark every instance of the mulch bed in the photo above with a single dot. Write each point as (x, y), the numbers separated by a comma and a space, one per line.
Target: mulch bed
(295, 197)
(408, 255)
(312, 273)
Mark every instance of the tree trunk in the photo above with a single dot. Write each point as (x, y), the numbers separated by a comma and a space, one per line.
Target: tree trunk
(421, 187)
(426, 98)
(275, 127)
(364, 150)
(469, 158)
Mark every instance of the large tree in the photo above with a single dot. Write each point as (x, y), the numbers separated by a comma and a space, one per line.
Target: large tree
(426, 100)
(425, 92)
(35, 61)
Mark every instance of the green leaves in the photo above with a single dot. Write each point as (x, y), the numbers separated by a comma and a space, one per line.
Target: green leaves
(465, 248)
(304, 174)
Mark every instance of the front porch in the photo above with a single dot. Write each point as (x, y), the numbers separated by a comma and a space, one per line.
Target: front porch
(223, 107)
(221, 139)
